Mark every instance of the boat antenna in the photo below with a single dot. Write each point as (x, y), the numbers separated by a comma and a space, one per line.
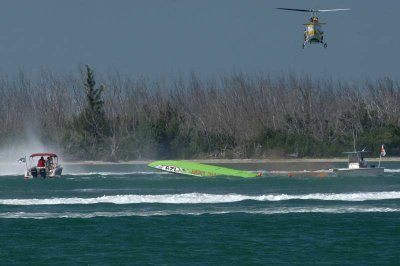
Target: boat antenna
(354, 140)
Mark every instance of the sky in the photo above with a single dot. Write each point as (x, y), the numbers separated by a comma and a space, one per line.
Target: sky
(210, 37)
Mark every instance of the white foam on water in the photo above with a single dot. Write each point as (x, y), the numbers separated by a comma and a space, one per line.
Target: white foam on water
(271, 211)
(203, 198)
(392, 170)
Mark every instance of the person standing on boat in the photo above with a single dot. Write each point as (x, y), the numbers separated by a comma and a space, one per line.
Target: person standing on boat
(363, 163)
(49, 163)
(41, 162)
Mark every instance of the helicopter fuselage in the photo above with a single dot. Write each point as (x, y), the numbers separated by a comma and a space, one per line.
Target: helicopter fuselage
(313, 32)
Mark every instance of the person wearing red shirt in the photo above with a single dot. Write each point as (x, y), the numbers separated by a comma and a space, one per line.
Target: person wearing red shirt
(41, 162)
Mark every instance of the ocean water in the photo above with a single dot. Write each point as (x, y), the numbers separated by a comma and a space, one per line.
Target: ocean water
(134, 215)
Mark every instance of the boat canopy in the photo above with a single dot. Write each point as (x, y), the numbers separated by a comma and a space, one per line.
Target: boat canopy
(44, 154)
(356, 152)
(356, 157)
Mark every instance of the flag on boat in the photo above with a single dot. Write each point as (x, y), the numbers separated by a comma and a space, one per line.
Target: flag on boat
(22, 160)
(383, 152)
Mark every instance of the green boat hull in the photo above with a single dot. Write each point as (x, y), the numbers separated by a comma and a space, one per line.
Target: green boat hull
(198, 169)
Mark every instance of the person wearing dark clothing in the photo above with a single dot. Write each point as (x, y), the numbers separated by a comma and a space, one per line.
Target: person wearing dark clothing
(363, 163)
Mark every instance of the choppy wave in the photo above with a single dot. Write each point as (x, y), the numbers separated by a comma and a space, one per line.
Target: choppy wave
(97, 173)
(202, 198)
(106, 174)
(270, 211)
(12, 174)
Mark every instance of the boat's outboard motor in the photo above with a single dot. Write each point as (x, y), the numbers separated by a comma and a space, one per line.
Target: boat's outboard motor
(42, 172)
(34, 172)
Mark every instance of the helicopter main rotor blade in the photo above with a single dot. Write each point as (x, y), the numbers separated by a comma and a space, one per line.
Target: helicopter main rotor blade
(314, 10)
(330, 10)
(295, 9)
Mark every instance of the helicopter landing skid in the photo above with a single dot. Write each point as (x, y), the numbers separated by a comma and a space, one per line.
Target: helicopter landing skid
(323, 43)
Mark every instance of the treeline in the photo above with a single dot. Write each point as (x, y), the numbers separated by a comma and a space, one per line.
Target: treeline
(236, 116)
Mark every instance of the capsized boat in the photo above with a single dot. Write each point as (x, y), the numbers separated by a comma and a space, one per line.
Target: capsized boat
(41, 167)
(199, 169)
(357, 166)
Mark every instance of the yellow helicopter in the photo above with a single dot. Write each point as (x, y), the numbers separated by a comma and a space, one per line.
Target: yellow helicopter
(313, 32)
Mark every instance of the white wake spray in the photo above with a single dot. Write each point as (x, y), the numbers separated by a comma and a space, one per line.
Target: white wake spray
(203, 198)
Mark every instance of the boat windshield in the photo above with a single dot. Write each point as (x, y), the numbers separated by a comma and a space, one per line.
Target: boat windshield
(354, 158)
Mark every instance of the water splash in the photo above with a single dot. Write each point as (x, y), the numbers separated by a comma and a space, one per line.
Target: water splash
(203, 198)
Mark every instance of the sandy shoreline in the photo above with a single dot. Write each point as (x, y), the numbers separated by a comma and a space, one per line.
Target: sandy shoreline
(238, 161)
